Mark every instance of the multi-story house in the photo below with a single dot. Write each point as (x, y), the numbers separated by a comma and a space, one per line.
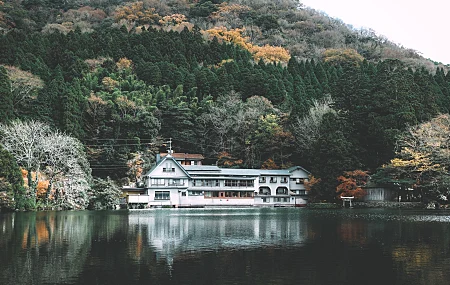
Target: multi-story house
(171, 184)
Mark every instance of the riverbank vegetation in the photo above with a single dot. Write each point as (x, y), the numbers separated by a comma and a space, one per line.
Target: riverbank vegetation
(246, 83)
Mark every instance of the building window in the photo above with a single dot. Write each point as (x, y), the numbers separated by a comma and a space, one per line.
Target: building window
(176, 182)
(157, 181)
(282, 200)
(282, 191)
(246, 194)
(205, 182)
(183, 193)
(239, 183)
(262, 179)
(169, 167)
(162, 195)
(273, 180)
(284, 180)
(266, 200)
(211, 194)
(264, 190)
(300, 180)
(195, 193)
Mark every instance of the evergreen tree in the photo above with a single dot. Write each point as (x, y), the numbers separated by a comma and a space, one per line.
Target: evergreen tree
(12, 192)
(333, 155)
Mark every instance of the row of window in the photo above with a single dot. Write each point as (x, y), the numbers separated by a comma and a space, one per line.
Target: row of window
(170, 182)
(205, 182)
(216, 183)
(162, 195)
(165, 195)
(272, 179)
(299, 180)
(228, 183)
(263, 179)
(276, 199)
(239, 183)
(228, 194)
(264, 190)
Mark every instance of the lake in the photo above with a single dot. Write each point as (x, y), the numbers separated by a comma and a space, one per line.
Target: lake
(226, 246)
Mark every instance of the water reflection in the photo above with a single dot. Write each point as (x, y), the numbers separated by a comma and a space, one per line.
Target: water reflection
(170, 232)
(43, 247)
(225, 246)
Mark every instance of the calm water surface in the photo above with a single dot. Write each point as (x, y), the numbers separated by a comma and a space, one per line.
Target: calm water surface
(226, 246)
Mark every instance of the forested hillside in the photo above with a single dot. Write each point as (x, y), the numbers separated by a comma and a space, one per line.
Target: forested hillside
(246, 83)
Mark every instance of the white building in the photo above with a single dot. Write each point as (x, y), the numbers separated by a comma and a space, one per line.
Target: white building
(170, 184)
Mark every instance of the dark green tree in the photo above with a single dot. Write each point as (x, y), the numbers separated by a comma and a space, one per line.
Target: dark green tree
(12, 192)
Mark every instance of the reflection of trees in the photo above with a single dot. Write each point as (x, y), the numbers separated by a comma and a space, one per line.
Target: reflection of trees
(354, 232)
(257, 246)
(421, 252)
(46, 247)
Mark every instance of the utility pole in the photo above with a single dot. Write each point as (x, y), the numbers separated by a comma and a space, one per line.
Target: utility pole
(170, 151)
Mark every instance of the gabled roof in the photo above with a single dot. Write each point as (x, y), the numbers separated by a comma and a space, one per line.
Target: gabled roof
(162, 161)
(293, 168)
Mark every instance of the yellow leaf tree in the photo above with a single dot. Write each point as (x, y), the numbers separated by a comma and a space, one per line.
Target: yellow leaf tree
(267, 53)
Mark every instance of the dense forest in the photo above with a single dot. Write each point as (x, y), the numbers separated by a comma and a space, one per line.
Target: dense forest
(248, 84)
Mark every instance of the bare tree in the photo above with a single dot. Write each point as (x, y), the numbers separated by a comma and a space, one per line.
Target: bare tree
(307, 129)
(221, 119)
(23, 84)
(59, 157)
(24, 141)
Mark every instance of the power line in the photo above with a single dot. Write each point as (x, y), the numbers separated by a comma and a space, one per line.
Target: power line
(125, 144)
(113, 139)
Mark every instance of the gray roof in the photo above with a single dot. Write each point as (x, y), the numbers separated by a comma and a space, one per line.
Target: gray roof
(213, 170)
(201, 168)
(293, 168)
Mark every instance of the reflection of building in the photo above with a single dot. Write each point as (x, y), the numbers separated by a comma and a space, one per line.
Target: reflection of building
(171, 233)
(171, 184)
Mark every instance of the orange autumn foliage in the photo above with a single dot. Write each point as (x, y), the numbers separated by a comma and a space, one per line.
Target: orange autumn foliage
(269, 164)
(270, 53)
(41, 189)
(351, 183)
(135, 12)
(174, 19)
(24, 173)
(175, 22)
(311, 182)
(225, 10)
(267, 53)
(225, 159)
